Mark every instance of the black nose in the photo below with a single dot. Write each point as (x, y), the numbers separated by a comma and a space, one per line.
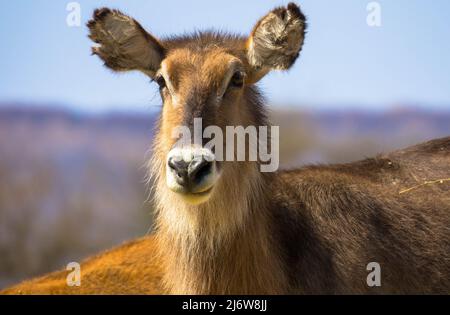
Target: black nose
(189, 174)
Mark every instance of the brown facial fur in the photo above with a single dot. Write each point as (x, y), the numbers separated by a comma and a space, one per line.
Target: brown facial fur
(203, 236)
(196, 78)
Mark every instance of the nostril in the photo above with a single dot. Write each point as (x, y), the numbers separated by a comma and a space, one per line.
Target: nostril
(180, 169)
(200, 169)
(204, 170)
(178, 166)
(172, 164)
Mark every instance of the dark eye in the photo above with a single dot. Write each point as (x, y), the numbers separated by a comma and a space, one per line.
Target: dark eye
(161, 82)
(237, 80)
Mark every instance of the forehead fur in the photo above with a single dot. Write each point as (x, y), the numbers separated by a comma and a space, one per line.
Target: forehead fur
(209, 53)
(208, 66)
(202, 41)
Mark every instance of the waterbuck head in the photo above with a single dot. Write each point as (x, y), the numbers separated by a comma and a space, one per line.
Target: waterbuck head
(205, 80)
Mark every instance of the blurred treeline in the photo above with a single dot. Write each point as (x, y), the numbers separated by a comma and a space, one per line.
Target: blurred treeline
(72, 184)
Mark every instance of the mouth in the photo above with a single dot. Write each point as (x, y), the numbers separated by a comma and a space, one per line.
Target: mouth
(196, 198)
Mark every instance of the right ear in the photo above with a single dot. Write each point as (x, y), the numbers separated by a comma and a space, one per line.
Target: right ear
(123, 43)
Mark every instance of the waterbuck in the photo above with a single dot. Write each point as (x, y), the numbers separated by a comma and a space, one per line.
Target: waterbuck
(226, 227)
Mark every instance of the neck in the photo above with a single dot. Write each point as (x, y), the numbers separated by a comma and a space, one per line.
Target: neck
(224, 246)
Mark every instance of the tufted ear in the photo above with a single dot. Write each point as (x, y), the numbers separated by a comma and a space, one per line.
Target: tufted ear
(276, 41)
(123, 44)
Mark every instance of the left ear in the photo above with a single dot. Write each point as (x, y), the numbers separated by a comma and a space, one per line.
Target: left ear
(276, 41)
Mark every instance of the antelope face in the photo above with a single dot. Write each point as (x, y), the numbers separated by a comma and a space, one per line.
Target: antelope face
(206, 76)
(199, 90)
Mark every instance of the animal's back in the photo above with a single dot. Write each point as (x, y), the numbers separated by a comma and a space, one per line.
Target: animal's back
(131, 268)
(393, 209)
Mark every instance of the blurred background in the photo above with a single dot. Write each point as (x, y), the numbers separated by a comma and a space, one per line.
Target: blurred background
(373, 76)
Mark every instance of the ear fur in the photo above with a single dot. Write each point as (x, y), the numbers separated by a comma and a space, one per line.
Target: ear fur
(276, 40)
(123, 44)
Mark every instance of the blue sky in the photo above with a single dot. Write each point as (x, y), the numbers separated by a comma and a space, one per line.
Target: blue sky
(345, 63)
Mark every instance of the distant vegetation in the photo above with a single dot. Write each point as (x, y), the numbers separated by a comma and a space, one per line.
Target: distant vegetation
(71, 184)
